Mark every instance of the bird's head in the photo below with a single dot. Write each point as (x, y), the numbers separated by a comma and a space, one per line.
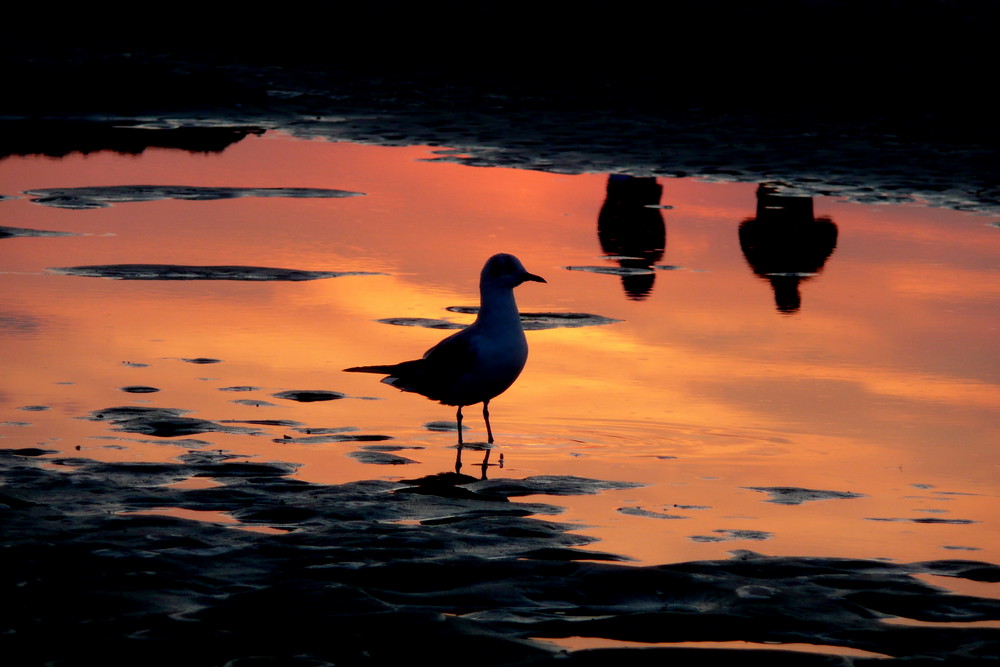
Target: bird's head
(503, 270)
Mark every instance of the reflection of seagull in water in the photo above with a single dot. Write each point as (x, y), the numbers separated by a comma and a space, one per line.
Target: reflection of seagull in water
(480, 362)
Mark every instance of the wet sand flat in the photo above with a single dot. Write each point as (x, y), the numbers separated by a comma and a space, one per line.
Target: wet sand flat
(446, 574)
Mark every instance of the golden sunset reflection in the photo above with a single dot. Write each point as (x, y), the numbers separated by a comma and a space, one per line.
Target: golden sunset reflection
(882, 382)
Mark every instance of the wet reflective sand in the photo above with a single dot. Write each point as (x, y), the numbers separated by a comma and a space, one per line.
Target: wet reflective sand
(878, 386)
(742, 368)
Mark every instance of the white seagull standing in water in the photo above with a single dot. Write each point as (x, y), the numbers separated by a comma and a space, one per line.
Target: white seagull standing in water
(480, 362)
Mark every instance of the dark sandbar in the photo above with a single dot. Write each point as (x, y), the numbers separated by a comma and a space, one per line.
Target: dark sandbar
(103, 196)
(11, 232)
(530, 321)
(332, 437)
(188, 272)
(788, 495)
(253, 403)
(729, 535)
(650, 514)
(160, 422)
(310, 396)
(380, 458)
(537, 321)
(612, 270)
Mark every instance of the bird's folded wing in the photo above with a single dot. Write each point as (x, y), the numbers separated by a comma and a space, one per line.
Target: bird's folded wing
(443, 367)
(437, 375)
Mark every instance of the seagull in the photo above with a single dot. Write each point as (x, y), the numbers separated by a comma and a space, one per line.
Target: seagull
(478, 363)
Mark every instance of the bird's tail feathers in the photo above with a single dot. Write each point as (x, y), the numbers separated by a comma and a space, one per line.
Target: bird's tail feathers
(404, 367)
(371, 369)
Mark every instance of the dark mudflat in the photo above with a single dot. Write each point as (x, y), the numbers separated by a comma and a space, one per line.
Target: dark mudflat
(103, 196)
(878, 102)
(434, 564)
(530, 321)
(15, 232)
(786, 495)
(188, 272)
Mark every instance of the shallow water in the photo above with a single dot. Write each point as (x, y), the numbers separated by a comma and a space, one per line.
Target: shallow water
(878, 386)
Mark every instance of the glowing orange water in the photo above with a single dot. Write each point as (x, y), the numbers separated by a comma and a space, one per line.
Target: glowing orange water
(884, 383)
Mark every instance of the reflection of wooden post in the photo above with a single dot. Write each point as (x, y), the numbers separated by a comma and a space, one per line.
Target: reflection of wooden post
(786, 244)
(780, 208)
(631, 231)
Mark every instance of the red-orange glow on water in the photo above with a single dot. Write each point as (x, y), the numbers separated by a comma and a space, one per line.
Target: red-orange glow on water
(882, 384)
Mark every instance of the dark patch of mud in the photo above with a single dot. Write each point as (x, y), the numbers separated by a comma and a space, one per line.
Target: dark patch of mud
(449, 575)
(325, 430)
(552, 485)
(957, 522)
(160, 422)
(389, 448)
(425, 322)
(310, 396)
(187, 443)
(612, 270)
(12, 232)
(538, 321)
(332, 437)
(452, 485)
(138, 389)
(188, 272)
(787, 495)
(649, 514)
(104, 196)
(262, 422)
(730, 535)
(444, 426)
(30, 451)
(380, 458)
(256, 403)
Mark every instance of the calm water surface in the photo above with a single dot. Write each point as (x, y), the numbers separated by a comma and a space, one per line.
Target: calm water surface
(870, 372)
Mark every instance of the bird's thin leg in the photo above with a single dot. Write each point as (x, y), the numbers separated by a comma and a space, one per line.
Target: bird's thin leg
(458, 456)
(489, 435)
(486, 418)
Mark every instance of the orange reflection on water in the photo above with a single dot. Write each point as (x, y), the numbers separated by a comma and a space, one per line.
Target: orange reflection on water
(882, 382)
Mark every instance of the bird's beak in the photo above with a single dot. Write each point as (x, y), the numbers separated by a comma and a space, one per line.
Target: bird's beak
(532, 277)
